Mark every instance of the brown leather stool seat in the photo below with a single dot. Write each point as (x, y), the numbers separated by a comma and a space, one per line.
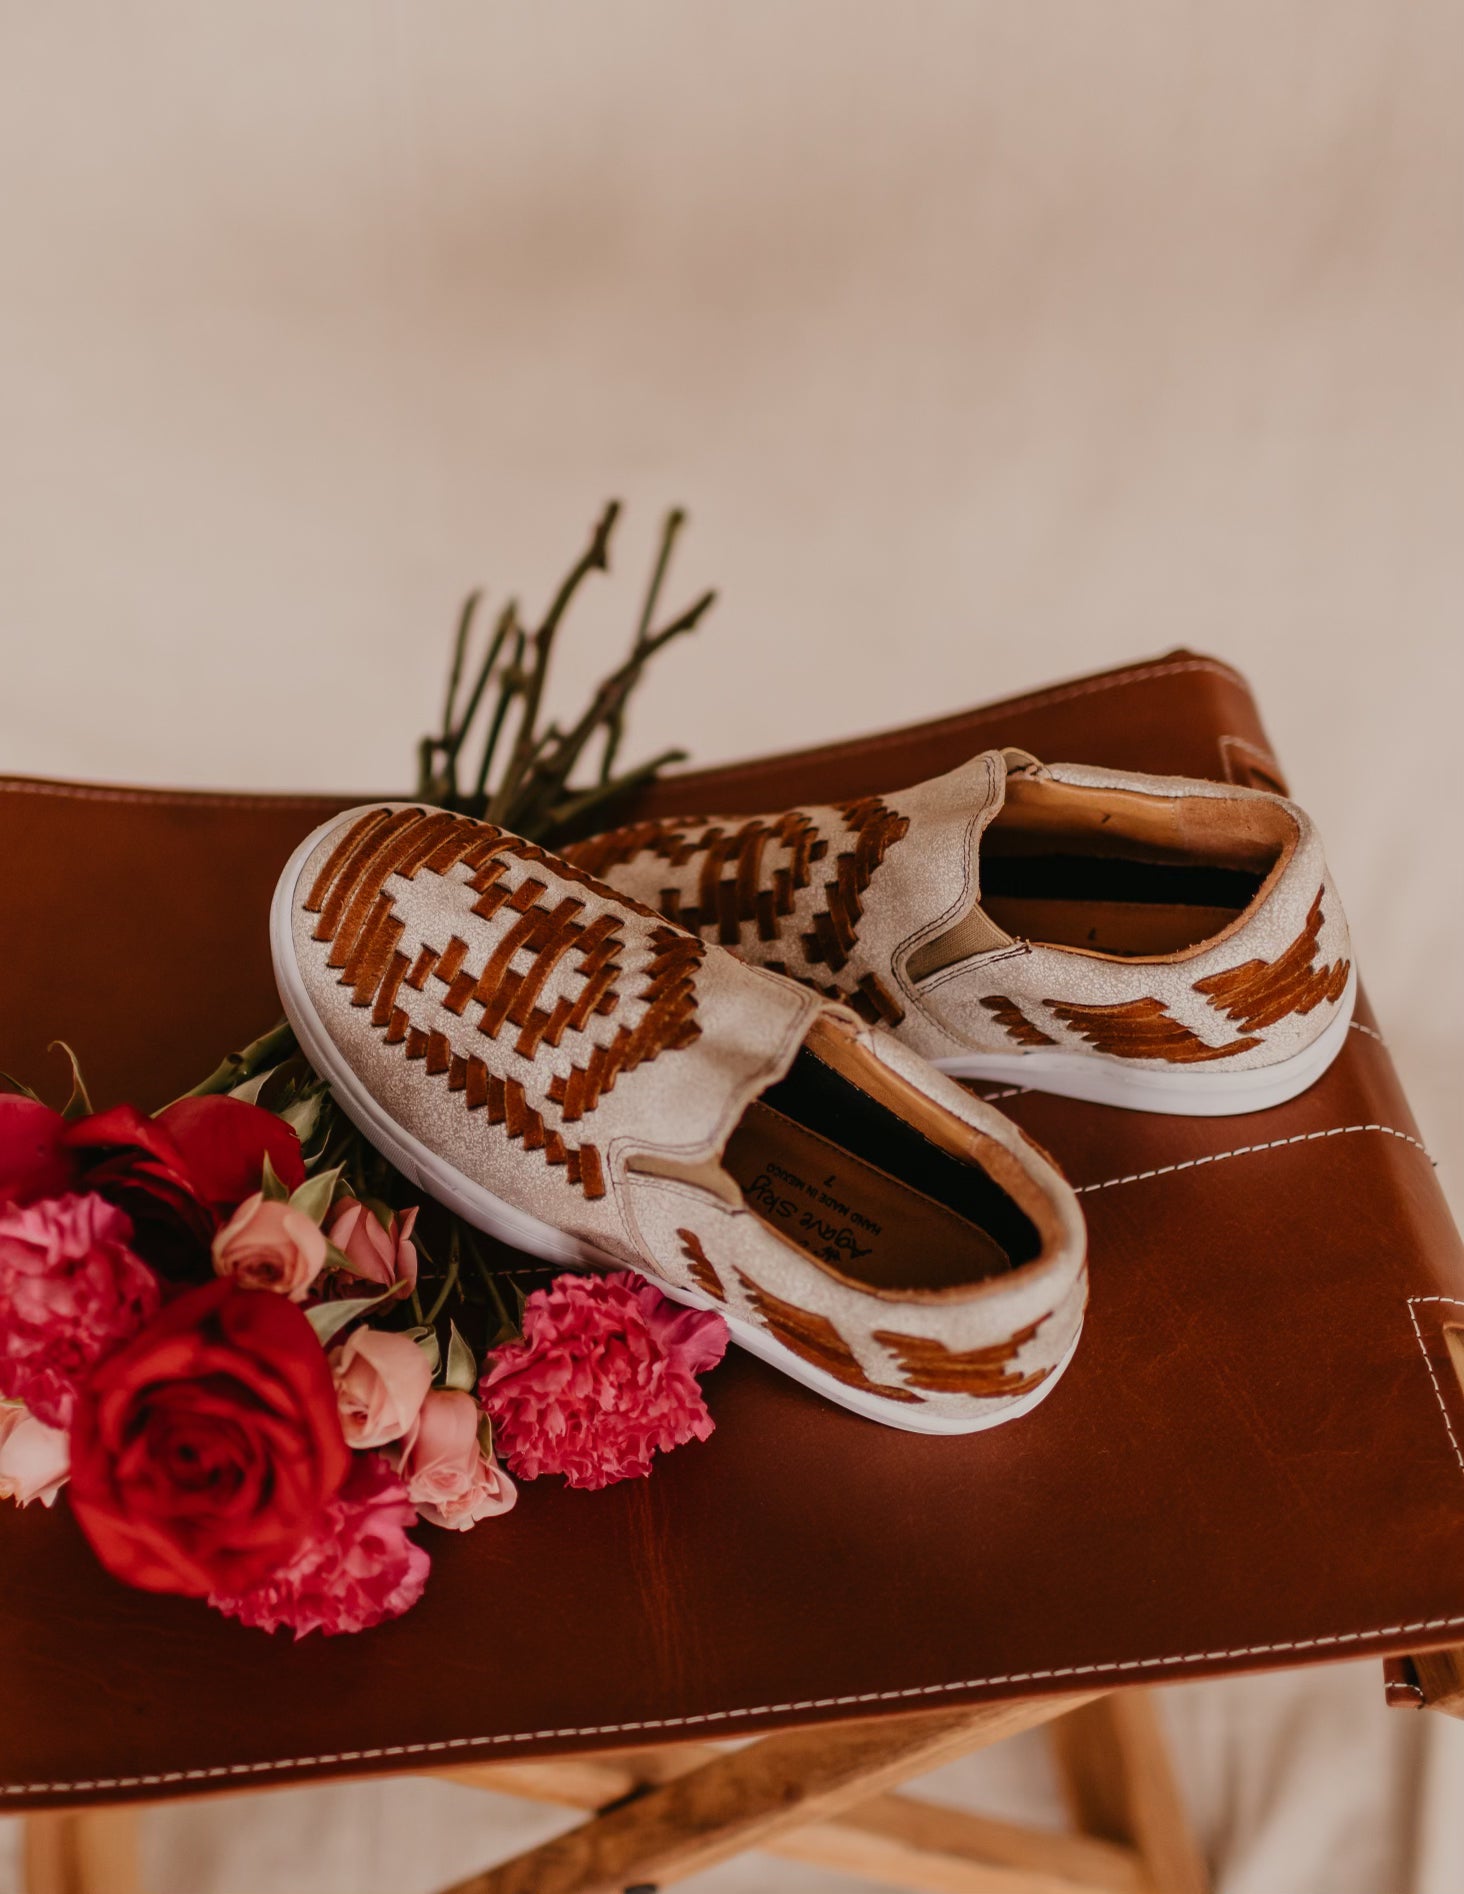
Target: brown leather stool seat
(1254, 1460)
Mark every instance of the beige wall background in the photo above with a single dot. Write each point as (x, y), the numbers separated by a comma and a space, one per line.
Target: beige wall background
(986, 342)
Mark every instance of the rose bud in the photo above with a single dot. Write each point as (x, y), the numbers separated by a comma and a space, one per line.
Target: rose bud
(449, 1478)
(375, 1254)
(381, 1382)
(267, 1245)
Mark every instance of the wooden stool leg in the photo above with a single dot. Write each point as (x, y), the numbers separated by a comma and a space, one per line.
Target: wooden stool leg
(81, 1851)
(1121, 1787)
(1438, 1679)
(748, 1796)
(894, 1840)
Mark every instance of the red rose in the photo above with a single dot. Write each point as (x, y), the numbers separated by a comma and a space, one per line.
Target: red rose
(34, 1161)
(179, 1175)
(204, 1452)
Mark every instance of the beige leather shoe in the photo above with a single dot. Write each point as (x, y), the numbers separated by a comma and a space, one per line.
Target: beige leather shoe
(598, 1087)
(1145, 941)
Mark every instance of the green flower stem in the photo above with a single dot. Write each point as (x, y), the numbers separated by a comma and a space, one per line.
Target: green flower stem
(449, 1281)
(272, 1048)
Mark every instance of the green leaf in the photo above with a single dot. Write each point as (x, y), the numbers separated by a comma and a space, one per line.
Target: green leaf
(272, 1187)
(329, 1318)
(314, 1148)
(269, 1049)
(249, 1091)
(313, 1198)
(303, 1114)
(462, 1365)
(426, 1340)
(78, 1105)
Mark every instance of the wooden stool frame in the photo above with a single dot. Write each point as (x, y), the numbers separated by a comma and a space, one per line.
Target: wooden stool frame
(825, 1795)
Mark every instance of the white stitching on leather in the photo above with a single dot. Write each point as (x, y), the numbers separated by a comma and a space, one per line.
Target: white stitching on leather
(1330, 1640)
(184, 798)
(1428, 1363)
(1245, 1150)
(1012, 1091)
(1357, 1026)
(282, 1765)
(443, 1746)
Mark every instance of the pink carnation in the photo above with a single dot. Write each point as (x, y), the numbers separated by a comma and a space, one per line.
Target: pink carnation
(356, 1571)
(606, 1374)
(70, 1291)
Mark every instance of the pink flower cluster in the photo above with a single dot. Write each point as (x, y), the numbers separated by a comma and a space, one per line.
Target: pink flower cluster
(213, 1445)
(71, 1290)
(386, 1399)
(605, 1376)
(269, 1245)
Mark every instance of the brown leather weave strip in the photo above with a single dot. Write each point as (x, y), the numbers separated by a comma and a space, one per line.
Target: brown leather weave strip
(700, 1266)
(983, 1372)
(358, 920)
(1143, 1029)
(1258, 993)
(814, 1339)
(1014, 1022)
(748, 876)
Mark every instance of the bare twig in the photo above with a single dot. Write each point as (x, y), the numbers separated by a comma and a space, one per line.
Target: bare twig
(595, 558)
(533, 793)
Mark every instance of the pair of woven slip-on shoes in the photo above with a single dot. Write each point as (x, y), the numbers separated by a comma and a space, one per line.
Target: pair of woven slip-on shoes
(1145, 941)
(599, 1086)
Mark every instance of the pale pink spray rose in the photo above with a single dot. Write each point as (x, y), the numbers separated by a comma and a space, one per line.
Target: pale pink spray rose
(267, 1245)
(359, 1569)
(34, 1459)
(381, 1382)
(605, 1375)
(450, 1480)
(70, 1291)
(375, 1254)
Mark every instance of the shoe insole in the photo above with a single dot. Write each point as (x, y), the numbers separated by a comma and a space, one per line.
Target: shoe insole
(889, 1172)
(865, 1223)
(1111, 904)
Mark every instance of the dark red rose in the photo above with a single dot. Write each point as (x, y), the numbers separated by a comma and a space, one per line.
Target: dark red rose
(204, 1452)
(34, 1161)
(179, 1175)
(224, 1144)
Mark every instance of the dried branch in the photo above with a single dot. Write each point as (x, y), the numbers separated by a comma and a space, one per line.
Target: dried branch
(533, 793)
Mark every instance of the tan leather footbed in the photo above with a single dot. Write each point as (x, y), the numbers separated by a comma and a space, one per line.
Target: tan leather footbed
(1124, 874)
(846, 1178)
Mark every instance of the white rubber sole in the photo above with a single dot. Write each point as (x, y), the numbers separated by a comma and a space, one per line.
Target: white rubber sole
(1190, 1091)
(485, 1211)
